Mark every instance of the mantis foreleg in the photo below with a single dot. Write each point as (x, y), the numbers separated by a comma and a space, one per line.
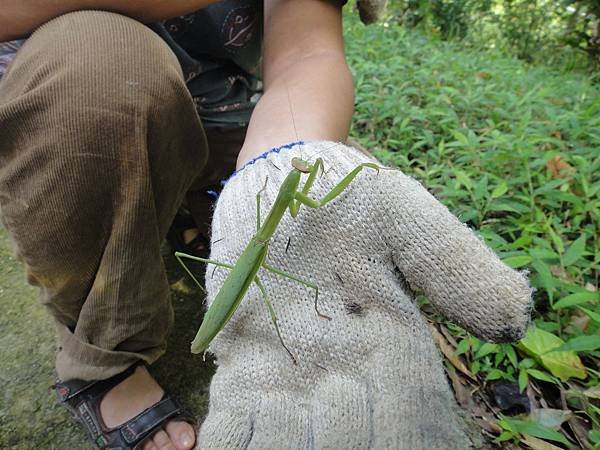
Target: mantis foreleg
(301, 197)
(258, 204)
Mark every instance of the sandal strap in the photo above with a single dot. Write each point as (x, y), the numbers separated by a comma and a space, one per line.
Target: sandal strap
(138, 428)
(68, 390)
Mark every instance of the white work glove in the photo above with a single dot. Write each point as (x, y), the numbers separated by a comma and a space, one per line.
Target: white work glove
(371, 376)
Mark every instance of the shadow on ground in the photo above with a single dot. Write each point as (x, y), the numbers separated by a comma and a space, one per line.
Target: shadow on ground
(30, 418)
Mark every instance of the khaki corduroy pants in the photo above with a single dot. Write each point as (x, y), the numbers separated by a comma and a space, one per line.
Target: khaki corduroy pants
(99, 141)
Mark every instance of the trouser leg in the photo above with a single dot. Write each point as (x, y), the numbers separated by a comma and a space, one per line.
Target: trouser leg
(99, 141)
(225, 144)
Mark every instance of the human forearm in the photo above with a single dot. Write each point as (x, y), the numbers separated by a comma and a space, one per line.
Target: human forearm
(308, 86)
(18, 18)
(312, 100)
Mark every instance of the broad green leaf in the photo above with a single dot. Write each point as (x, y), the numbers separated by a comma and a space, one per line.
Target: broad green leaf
(504, 436)
(540, 375)
(460, 137)
(595, 316)
(517, 261)
(464, 179)
(512, 355)
(580, 344)
(509, 205)
(563, 365)
(575, 251)
(500, 190)
(486, 349)
(543, 253)
(494, 374)
(556, 239)
(594, 436)
(523, 380)
(462, 347)
(545, 276)
(575, 299)
(536, 430)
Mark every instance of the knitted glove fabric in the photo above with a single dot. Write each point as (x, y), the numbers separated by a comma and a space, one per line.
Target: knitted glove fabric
(371, 376)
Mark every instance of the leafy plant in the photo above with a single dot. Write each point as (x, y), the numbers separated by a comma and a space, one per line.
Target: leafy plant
(513, 150)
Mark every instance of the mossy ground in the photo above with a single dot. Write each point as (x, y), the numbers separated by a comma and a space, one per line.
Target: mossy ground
(30, 418)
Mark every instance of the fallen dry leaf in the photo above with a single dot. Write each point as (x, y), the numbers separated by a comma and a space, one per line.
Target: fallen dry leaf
(580, 429)
(579, 322)
(448, 335)
(489, 425)
(559, 168)
(182, 287)
(449, 353)
(463, 397)
(593, 392)
(538, 444)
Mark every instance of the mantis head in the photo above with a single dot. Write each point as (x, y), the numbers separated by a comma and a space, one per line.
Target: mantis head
(301, 165)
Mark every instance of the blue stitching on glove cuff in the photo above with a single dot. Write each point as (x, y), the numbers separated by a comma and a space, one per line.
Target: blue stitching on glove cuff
(261, 156)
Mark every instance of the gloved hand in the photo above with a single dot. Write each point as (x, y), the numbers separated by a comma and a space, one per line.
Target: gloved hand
(371, 376)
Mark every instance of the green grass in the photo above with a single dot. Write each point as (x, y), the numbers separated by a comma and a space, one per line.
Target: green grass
(514, 151)
(30, 417)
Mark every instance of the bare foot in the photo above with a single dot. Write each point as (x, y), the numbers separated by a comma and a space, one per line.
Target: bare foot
(132, 396)
(190, 234)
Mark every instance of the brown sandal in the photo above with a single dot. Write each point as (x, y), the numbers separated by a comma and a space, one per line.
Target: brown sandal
(82, 399)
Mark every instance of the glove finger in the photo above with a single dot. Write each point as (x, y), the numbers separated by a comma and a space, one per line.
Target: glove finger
(280, 422)
(438, 254)
(223, 430)
(341, 415)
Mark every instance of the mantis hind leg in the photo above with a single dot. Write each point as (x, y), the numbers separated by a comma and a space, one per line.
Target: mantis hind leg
(301, 281)
(262, 289)
(265, 298)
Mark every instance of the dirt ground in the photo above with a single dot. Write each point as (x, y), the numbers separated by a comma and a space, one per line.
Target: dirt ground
(30, 418)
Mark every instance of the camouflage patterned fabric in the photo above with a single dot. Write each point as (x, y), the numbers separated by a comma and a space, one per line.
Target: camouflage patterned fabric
(219, 50)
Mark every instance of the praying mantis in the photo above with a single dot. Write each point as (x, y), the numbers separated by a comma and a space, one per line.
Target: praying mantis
(245, 271)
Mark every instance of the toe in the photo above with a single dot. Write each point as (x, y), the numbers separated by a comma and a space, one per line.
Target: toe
(149, 445)
(162, 441)
(181, 434)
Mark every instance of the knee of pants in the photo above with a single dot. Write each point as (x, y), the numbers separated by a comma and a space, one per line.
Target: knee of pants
(100, 58)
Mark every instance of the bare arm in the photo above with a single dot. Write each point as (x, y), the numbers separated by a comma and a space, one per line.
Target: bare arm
(18, 18)
(309, 93)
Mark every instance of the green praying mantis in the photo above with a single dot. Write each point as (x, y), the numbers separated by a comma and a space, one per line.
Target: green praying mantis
(245, 271)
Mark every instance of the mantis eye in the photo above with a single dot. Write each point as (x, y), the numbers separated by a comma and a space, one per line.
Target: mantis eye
(301, 165)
